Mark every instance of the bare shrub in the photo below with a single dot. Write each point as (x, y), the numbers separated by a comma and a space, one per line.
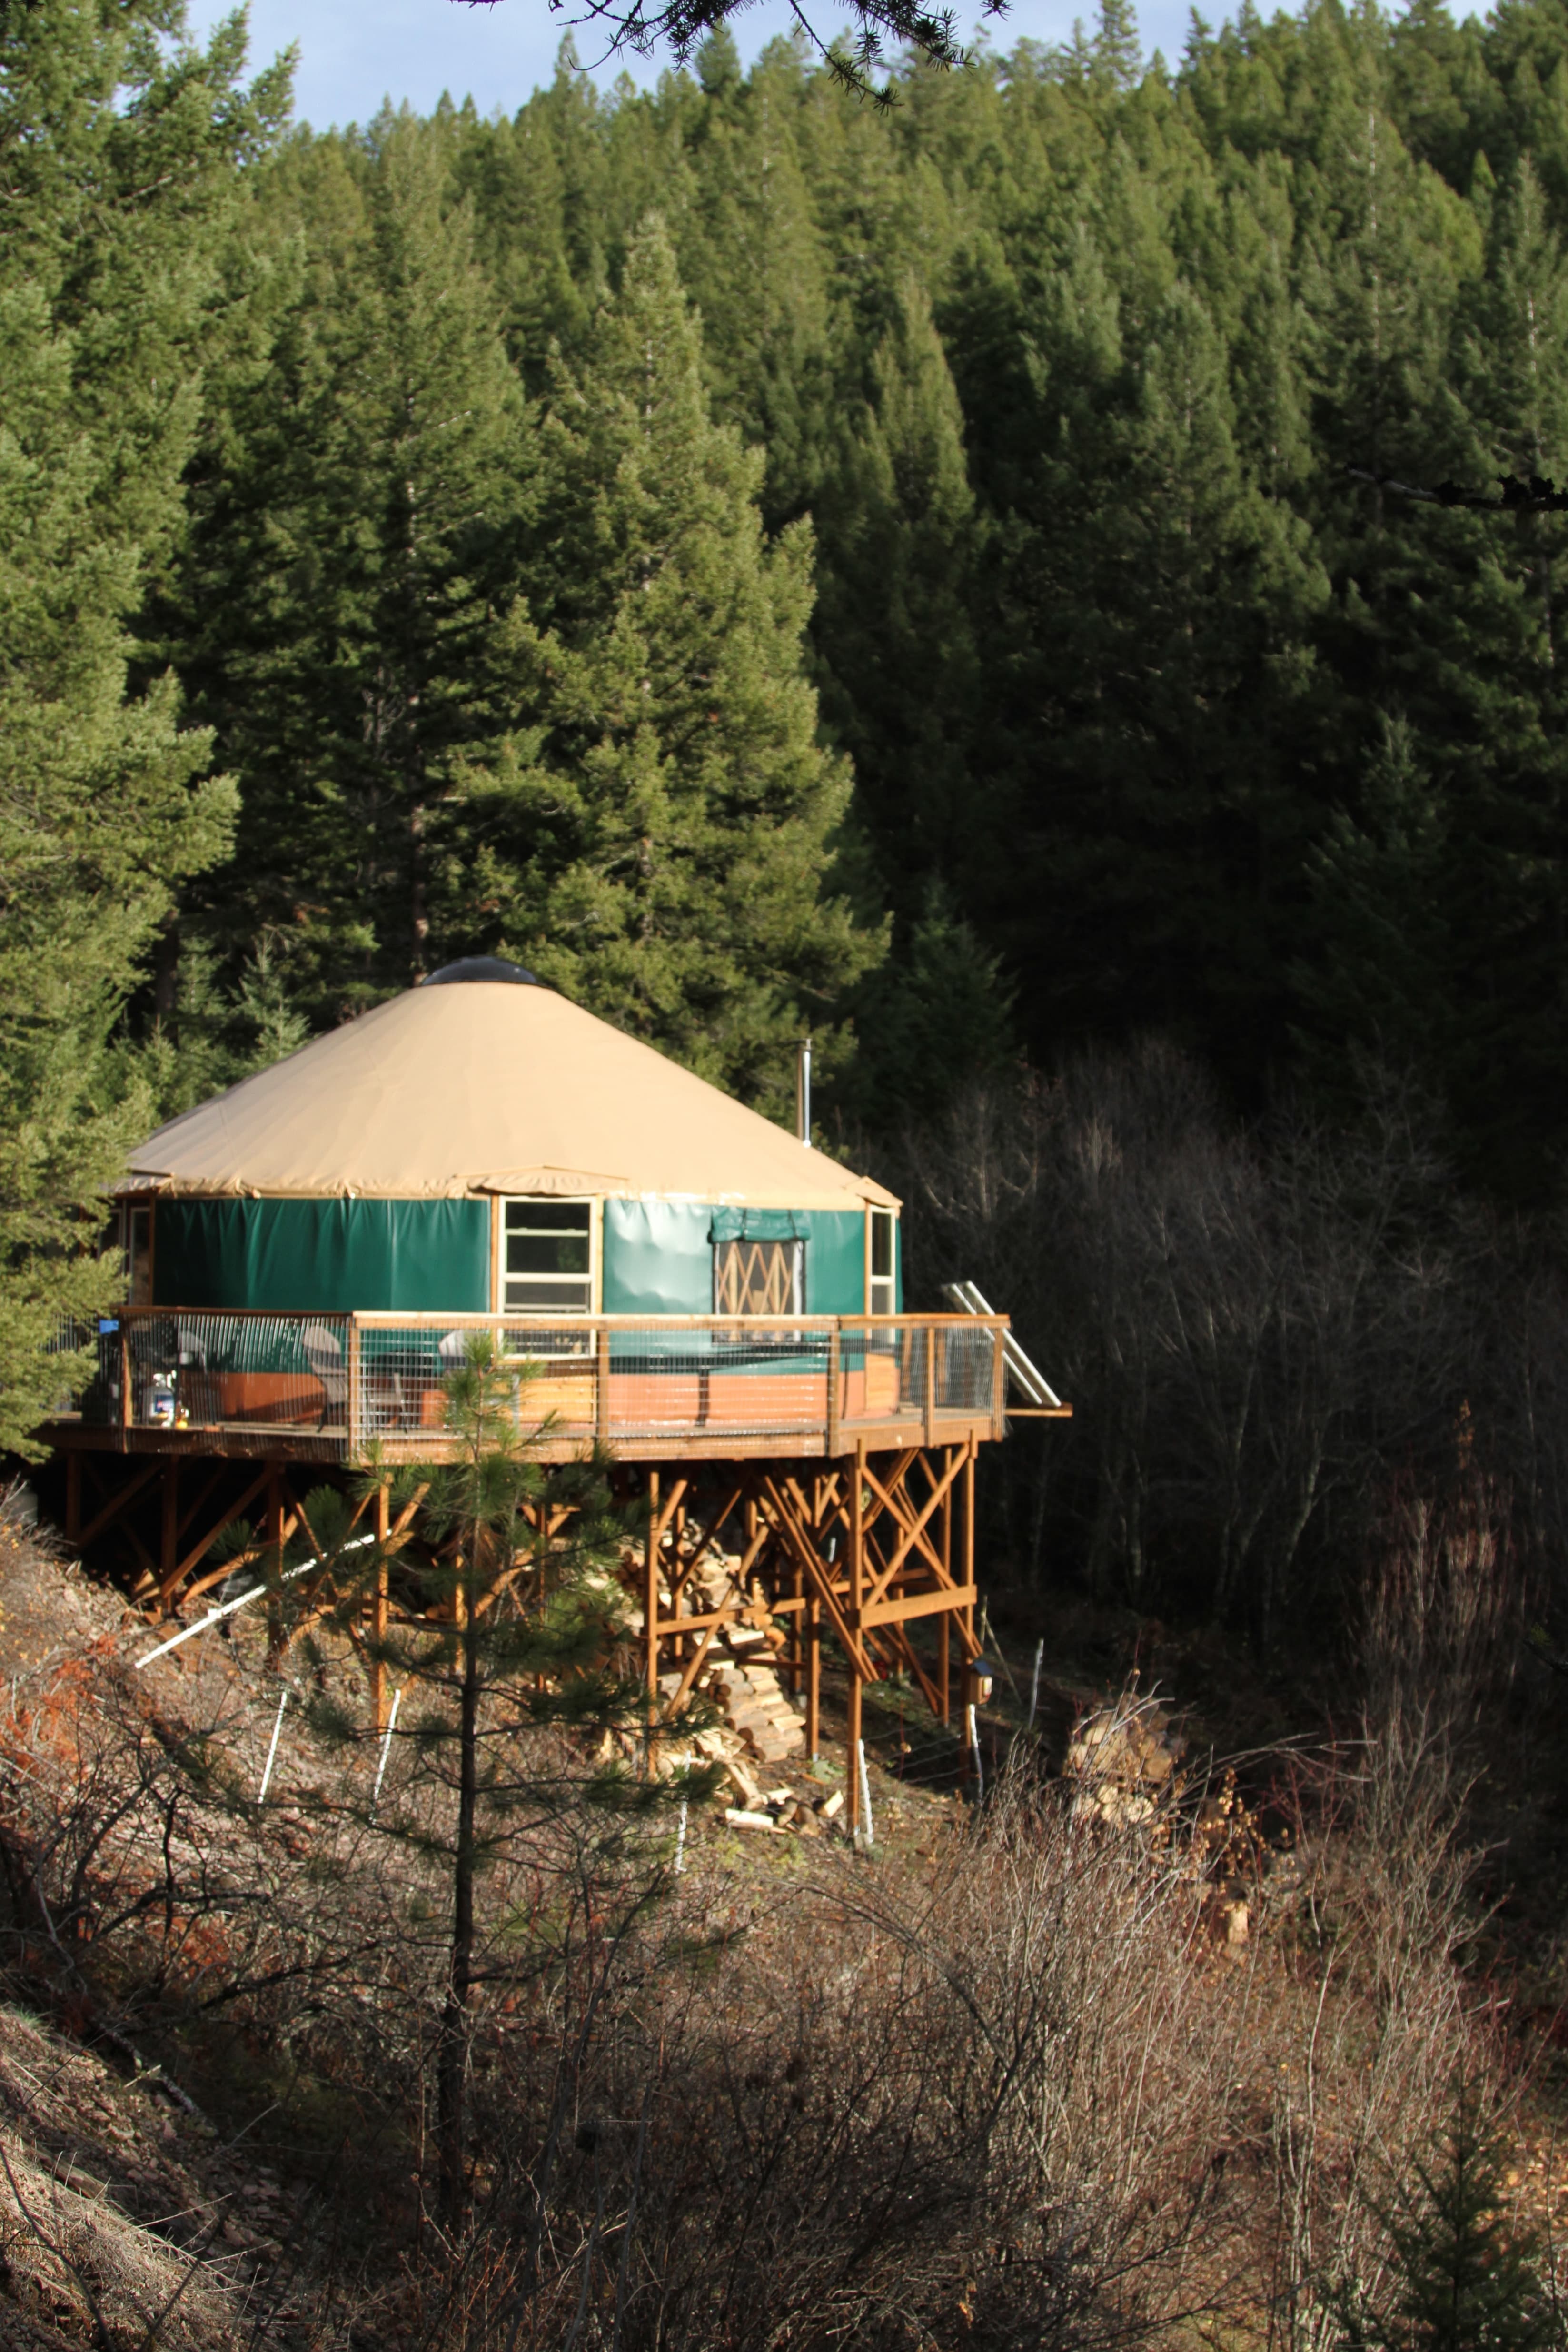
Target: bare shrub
(1256, 1330)
(1021, 2089)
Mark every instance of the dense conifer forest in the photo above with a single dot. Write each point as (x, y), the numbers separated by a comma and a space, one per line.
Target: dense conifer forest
(951, 576)
(928, 574)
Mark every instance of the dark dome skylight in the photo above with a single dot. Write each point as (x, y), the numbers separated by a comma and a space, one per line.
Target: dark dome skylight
(483, 968)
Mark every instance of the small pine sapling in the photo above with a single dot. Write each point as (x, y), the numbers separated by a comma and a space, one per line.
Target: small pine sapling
(1464, 2275)
(501, 1640)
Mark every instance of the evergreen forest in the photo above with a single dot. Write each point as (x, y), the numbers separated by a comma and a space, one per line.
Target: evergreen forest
(931, 575)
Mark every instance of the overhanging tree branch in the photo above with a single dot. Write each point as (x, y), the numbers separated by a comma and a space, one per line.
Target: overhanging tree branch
(1539, 494)
(884, 29)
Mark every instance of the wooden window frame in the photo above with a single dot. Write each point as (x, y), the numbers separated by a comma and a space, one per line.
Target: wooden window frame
(881, 1286)
(795, 1304)
(129, 1210)
(593, 1277)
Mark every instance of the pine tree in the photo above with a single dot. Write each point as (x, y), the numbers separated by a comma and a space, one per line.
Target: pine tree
(901, 545)
(516, 1637)
(659, 840)
(347, 569)
(116, 162)
(1465, 2277)
(1381, 974)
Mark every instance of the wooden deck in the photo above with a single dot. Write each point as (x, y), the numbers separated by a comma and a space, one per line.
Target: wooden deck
(329, 1388)
(828, 1461)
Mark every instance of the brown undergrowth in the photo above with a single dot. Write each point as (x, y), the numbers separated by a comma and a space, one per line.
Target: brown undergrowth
(1013, 2079)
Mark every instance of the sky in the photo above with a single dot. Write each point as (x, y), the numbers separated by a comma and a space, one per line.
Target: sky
(354, 53)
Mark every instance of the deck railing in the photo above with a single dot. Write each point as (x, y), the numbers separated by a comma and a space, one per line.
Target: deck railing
(330, 1385)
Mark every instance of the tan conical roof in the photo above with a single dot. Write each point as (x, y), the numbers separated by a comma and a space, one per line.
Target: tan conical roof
(487, 1087)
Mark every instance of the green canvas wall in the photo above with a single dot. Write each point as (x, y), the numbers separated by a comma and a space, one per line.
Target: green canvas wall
(659, 1255)
(292, 1257)
(332, 1255)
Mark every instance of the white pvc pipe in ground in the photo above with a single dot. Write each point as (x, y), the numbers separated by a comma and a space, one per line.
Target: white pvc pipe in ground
(974, 1751)
(385, 1748)
(227, 1608)
(261, 1792)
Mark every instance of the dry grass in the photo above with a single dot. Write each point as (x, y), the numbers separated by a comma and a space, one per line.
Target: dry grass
(1009, 2084)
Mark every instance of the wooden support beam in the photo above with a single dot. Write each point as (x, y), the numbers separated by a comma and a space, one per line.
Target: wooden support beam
(169, 1527)
(950, 1597)
(970, 1452)
(149, 1571)
(650, 1606)
(856, 1601)
(820, 1580)
(913, 1529)
(199, 1551)
(911, 1659)
(813, 1677)
(118, 1501)
(678, 1697)
(274, 1540)
(193, 1511)
(378, 1606)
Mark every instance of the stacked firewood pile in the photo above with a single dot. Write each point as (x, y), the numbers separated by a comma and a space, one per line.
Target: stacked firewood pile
(780, 1810)
(1124, 1759)
(738, 1675)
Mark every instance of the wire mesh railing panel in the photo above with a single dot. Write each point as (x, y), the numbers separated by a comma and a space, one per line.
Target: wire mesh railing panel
(351, 1380)
(403, 1370)
(719, 1381)
(892, 1373)
(199, 1368)
(95, 1348)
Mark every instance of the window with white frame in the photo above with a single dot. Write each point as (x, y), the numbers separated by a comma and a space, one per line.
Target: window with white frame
(547, 1257)
(883, 1284)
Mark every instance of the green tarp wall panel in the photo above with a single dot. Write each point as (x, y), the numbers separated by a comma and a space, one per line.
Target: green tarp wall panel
(290, 1256)
(659, 1255)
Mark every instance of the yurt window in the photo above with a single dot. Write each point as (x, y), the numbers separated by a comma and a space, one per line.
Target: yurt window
(881, 1270)
(137, 1258)
(759, 1277)
(547, 1257)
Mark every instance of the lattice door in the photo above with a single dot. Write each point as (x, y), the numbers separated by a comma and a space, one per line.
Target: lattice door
(757, 1278)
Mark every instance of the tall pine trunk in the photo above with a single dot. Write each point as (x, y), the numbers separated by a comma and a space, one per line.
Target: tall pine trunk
(452, 2057)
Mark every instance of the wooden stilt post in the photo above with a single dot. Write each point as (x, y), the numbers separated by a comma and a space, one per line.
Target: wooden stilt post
(169, 1532)
(378, 1608)
(73, 1498)
(812, 1620)
(852, 1751)
(856, 1601)
(273, 1544)
(798, 1631)
(969, 1533)
(942, 1667)
(650, 1606)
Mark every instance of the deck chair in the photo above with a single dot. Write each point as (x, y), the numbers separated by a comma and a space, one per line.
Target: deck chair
(323, 1354)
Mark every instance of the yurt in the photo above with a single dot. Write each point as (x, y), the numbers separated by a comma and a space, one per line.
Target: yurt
(481, 1145)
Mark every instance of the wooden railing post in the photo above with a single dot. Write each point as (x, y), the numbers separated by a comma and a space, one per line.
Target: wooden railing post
(834, 1350)
(856, 1602)
(354, 1435)
(930, 1384)
(602, 1386)
(378, 1608)
(650, 1607)
(126, 1416)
